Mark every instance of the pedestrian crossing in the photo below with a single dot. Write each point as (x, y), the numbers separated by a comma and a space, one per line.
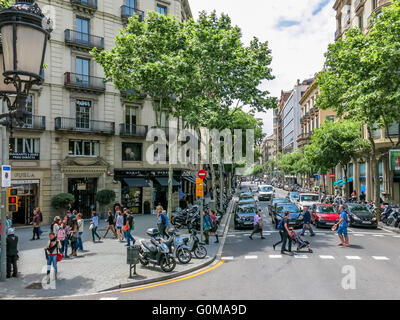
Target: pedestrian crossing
(235, 234)
(309, 256)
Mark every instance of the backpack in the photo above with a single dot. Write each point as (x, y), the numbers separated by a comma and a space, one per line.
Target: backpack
(163, 219)
(280, 225)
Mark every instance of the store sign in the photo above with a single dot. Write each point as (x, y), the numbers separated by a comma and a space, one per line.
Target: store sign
(394, 156)
(81, 186)
(24, 156)
(144, 173)
(6, 176)
(83, 103)
(18, 182)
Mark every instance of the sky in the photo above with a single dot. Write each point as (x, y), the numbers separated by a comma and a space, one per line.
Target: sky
(298, 33)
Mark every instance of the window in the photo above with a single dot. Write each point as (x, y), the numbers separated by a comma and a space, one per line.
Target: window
(131, 151)
(360, 22)
(24, 148)
(161, 9)
(83, 114)
(84, 148)
(131, 116)
(83, 71)
(29, 108)
(131, 3)
(330, 118)
(82, 30)
(374, 4)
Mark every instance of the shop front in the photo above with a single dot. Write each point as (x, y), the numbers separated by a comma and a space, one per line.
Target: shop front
(28, 193)
(84, 191)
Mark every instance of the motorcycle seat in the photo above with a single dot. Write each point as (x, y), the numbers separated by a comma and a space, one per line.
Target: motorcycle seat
(148, 245)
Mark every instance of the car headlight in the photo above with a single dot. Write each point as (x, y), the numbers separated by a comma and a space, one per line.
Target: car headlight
(356, 218)
(373, 219)
(320, 219)
(300, 217)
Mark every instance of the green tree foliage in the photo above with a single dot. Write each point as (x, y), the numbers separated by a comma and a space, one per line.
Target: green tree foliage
(61, 201)
(105, 197)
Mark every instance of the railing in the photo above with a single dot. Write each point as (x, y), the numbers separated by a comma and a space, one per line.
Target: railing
(393, 131)
(84, 81)
(86, 3)
(83, 39)
(133, 130)
(134, 93)
(81, 125)
(34, 122)
(127, 12)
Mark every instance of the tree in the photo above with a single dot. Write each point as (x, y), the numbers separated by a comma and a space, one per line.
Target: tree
(62, 200)
(336, 143)
(105, 197)
(362, 81)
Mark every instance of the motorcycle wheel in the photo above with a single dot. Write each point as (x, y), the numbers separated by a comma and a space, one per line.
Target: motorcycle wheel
(184, 256)
(143, 261)
(173, 220)
(167, 265)
(200, 252)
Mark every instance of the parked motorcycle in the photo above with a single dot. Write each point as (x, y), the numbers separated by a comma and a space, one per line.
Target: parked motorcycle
(196, 246)
(156, 252)
(177, 247)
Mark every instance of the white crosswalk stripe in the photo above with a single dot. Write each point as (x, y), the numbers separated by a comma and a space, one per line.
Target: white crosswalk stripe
(250, 257)
(109, 298)
(353, 258)
(378, 235)
(358, 235)
(275, 256)
(227, 258)
(301, 256)
(327, 257)
(380, 258)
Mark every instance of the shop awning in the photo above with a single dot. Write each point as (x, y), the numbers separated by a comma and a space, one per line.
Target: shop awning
(136, 182)
(190, 179)
(164, 182)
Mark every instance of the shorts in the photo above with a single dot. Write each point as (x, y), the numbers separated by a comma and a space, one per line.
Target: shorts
(342, 230)
(119, 228)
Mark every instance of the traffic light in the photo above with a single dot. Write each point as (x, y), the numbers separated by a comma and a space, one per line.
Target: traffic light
(12, 200)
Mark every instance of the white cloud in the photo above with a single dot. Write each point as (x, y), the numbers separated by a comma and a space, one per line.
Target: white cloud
(298, 51)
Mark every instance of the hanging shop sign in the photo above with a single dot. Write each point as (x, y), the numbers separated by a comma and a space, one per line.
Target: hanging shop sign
(394, 156)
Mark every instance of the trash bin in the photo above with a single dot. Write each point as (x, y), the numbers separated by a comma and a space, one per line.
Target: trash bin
(132, 258)
(146, 207)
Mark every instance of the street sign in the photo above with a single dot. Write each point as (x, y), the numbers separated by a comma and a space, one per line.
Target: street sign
(332, 176)
(199, 188)
(202, 174)
(6, 176)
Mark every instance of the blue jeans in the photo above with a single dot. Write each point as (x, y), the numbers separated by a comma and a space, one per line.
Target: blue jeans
(51, 260)
(66, 241)
(307, 226)
(129, 237)
(79, 242)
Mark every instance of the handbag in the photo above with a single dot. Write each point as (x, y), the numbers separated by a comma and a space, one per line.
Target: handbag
(59, 257)
(91, 226)
(125, 228)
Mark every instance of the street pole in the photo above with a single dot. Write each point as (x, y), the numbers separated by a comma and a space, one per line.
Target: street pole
(201, 219)
(4, 153)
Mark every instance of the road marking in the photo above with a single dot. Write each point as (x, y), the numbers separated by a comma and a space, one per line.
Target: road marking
(353, 258)
(396, 236)
(275, 256)
(380, 258)
(250, 257)
(327, 257)
(231, 235)
(378, 235)
(227, 258)
(301, 256)
(176, 280)
(109, 298)
(358, 235)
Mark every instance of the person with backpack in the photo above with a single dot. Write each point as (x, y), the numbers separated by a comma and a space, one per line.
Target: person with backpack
(286, 233)
(12, 253)
(129, 226)
(206, 226)
(52, 250)
(214, 225)
(62, 237)
(257, 225)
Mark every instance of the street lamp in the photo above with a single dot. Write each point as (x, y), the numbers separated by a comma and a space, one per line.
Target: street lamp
(24, 35)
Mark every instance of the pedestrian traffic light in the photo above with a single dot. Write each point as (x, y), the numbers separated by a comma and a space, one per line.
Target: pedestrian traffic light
(12, 200)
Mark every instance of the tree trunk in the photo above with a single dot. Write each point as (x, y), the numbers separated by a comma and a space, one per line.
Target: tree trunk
(170, 190)
(375, 175)
(213, 180)
(221, 185)
(344, 180)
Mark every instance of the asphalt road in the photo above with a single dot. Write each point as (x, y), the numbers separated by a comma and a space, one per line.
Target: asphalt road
(368, 269)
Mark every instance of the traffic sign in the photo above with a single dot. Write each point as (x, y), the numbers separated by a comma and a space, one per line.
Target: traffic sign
(202, 174)
(6, 176)
(332, 176)
(199, 188)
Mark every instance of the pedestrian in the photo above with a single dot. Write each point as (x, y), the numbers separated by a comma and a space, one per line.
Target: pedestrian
(128, 228)
(165, 220)
(161, 223)
(62, 237)
(362, 197)
(80, 226)
(51, 251)
(258, 225)
(110, 220)
(286, 234)
(342, 230)
(55, 226)
(94, 224)
(354, 196)
(70, 209)
(280, 231)
(73, 237)
(211, 194)
(307, 222)
(9, 222)
(119, 224)
(206, 226)
(12, 253)
(214, 225)
(41, 219)
(36, 224)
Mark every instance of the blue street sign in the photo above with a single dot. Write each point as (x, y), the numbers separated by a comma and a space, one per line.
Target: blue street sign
(337, 182)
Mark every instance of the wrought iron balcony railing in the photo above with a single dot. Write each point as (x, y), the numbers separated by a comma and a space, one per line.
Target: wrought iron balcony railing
(34, 123)
(133, 130)
(86, 3)
(74, 80)
(83, 125)
(83, 39)
(127, 12)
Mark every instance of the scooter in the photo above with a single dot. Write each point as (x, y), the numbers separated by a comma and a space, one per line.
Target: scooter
(156, 252)
(177, 247)
(196, 246)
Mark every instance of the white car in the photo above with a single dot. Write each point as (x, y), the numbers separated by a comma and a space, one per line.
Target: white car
(307, 199)
(265, 193)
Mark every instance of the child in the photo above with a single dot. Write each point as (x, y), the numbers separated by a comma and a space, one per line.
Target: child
(52, 250)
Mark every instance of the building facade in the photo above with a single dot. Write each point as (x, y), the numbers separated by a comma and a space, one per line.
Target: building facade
(84, 135)
(278, 119)
(268, 149)
(358, 13)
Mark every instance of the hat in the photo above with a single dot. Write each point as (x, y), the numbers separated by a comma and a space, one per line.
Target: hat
(10, 231)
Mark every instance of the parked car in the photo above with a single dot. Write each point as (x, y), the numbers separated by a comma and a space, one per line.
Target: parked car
(244, 216)
(307, 199)
(324, 215)
(293, 196)
(272, 206)
(360, 216)
(265, 193)
(296, 217)
(246, 195)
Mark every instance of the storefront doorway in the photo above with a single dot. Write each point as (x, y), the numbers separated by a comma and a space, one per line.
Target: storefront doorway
(84, 191)
(28, 201)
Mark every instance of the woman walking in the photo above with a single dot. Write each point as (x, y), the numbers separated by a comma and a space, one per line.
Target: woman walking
(110, 220)
(74, 234)
(214, 225)
(94, 225)
(206, 226)
(80, 225)
(62, 236)
(51, 251)
(119, 224)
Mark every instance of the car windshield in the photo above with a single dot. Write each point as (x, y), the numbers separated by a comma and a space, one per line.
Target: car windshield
(309, 197)
(360, 211)
(287, 207)
(326, 209)
(249, 200)
(281, 200)
(247, 210)
(266, 189)
(246, 196)
(294, 195)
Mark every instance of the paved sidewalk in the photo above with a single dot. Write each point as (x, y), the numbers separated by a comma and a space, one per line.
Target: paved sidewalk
(102, 267)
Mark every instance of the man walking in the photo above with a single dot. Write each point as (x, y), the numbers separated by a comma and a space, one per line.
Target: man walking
(307, 222)
(257, 225)
(161, 223)
(41, 219)
(286, 234)
(12, 253)
(36, 225)
(342, 231)
(129, 227)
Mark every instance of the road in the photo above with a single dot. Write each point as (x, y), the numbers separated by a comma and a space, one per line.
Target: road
(368, 269)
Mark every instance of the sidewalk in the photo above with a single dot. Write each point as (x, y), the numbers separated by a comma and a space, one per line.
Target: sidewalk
(385, 227)
(102, 267)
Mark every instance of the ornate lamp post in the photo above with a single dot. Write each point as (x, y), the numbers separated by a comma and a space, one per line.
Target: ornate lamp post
(24, 35)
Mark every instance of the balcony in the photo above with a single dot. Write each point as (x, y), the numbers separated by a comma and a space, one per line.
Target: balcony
(127, 12)
(85, 6)
(85, 83)
(81, 126)
(133, 130)
(127, 94)
(33, 123)
(82, 40)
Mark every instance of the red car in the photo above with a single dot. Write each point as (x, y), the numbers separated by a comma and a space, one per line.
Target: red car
(324, 215)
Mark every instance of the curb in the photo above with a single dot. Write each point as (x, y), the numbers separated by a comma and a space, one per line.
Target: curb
(389, 229)
(179, 274)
